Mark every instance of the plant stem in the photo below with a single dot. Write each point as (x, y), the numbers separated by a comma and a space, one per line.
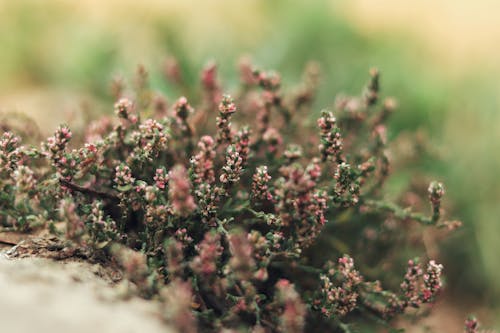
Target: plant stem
(399, 212)
(89, 191)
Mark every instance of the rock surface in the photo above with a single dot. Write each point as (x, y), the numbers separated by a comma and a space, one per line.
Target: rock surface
(42, 295)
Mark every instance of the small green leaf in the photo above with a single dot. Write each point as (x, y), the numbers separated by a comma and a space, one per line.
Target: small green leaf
(102, 245)
(124, 188)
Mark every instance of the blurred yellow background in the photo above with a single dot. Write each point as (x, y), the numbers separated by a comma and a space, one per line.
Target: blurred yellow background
(440, 58)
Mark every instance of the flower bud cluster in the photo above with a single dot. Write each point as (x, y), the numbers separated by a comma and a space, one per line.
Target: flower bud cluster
(24, 179)
(347, 187)
(260, 185)
(271, 98)
(432, 280)
(242, 143)
(100, 228)
(153, 138)
(241, 264)
(411, 283)
(98, 129)
(292, 318)
(55, 146)
(183, 237)
(331, 140)
(210, 87)
(292, 153)
(304, 94)
(179, 191)
(339, 290)
(472, 325)
(300, 206)
(10, 153)
(177, 298)
(88, 156)
(134, 264)
(161, 178)
(436, 192)
(182, 110)
(202, 164)
(273, 139)
(208, 198)
(123, 177)
(156, 214)
(421, 287)
(370, 95)
(172, 70)
(123, 109)
(269, 81)
(233, 168)
(209, 251)
(247, 75)
(226, 110)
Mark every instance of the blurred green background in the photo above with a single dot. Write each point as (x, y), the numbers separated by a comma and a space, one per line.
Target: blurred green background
(439, 58)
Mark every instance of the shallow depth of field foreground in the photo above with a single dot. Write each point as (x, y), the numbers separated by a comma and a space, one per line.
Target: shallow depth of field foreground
(263, 166)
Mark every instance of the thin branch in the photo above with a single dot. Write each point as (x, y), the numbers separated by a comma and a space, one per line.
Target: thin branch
(399, 212)
(294, 265)
(345, 327)
(7, 242)
(89, 191)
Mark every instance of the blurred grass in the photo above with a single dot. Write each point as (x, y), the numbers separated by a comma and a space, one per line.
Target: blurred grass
(438, 58)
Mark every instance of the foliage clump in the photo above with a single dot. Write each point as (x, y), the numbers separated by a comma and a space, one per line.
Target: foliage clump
(240, 213)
